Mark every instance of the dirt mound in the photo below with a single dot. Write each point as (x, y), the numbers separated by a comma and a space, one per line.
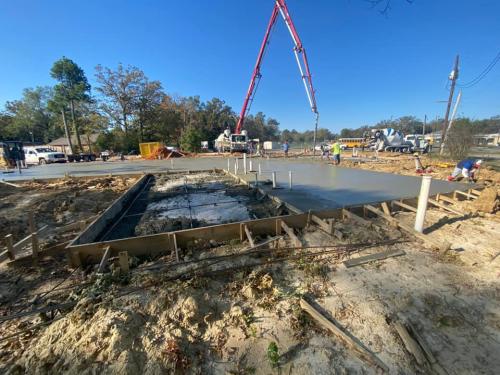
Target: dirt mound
(488, 201)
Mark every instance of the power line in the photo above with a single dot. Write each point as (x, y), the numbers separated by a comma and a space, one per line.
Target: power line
(483, 74)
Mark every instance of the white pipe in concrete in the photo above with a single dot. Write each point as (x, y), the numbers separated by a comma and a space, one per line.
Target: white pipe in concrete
(260, 169)
(250, 165)
(228, 165)
(422, 203)
(171, 163)
(235, 166)
(290, 179)
(245, 163)
(274, 180)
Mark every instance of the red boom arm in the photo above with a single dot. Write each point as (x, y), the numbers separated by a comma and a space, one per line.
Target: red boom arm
(279, 7)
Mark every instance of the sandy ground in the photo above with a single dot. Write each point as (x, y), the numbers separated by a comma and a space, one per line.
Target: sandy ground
(154, 321)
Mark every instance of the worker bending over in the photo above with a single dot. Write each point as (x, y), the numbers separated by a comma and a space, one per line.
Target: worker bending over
(336, 153)
(465, 169)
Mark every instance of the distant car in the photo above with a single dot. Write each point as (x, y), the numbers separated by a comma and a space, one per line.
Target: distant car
(322, 147)
(43, 155)
(104, 155)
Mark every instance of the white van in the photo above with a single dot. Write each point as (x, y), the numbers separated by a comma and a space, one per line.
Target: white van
(43, 155)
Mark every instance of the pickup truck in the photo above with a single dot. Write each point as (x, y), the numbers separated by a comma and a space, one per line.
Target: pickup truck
(43, 155)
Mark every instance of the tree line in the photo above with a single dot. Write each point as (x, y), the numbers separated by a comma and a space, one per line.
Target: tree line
(125, 108)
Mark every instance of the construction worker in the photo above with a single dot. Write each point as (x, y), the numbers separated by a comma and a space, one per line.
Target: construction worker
(336, 152)
(465, 169)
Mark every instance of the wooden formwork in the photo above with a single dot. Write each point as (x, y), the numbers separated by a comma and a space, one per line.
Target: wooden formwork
(86, 248)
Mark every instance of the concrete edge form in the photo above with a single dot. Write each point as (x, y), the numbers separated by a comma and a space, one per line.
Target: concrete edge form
(97, 227)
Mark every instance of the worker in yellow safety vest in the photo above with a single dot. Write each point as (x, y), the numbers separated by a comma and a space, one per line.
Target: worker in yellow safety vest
(336, 152)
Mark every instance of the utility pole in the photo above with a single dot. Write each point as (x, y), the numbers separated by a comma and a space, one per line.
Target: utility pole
(457, 103)
(453, 78)
(425, 123)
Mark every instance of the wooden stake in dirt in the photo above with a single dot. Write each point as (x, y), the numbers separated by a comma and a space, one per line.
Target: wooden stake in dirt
(176, 249)
(291, 234)
(34, 238)
(123, 260)
(104, 259)
(336, 328)
(10, 246)
(249, 236)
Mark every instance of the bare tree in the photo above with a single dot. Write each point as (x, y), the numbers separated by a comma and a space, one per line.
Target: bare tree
(120, 90)
(384, 6)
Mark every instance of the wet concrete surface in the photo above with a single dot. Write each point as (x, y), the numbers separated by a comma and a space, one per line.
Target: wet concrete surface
(320, 186)
(316, 185)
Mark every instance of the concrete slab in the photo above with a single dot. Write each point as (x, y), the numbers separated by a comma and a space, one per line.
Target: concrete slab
(320, 186)
(316, 185)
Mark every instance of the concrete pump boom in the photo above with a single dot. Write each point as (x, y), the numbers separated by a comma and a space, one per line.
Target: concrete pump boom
(280, 7)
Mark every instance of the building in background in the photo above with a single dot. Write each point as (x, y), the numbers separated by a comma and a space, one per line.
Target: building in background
(486, 139)
(62, 145)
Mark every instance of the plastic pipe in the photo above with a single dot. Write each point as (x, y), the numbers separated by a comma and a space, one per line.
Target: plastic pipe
(245, 163)
(290, 179)
(274, 180)
(422, 203)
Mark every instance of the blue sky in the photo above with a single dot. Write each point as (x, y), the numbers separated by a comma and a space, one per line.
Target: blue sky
(366, 67)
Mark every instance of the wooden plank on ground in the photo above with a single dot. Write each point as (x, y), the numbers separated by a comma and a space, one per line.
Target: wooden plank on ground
(337, 329)
(9, 184)
(446, 199)
(404, 205)
(373, 257)
(476, 192)
(427, 240)
(410, 344)
(22, 242)
(249, 236)
(104, 259)
(321, 223)
(49, 251)
(445, 207)
(291, 234)
(385, 208)
(394, 222)
(436, 366)
(467, 195)
(4, 255)
(356, 218)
